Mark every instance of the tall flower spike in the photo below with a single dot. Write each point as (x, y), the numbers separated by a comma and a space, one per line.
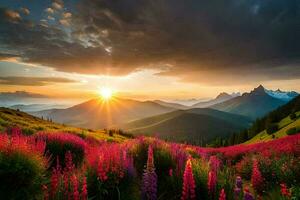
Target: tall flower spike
(238, 187)
(84, 192)
(256, 178)
(222, 195)
(188, 190)
(212, 182)
(149, 188)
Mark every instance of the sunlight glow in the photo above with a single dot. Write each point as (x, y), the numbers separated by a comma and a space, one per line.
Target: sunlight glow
(106, 93)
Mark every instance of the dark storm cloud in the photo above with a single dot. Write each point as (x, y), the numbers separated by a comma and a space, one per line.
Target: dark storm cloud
(32, 81)
(194, 39)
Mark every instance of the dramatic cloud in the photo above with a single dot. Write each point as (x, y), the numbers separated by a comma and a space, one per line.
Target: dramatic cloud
(32, 81)
(195, 40)
(11, 15)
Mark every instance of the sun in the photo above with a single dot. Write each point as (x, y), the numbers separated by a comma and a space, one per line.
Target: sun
(106, 93)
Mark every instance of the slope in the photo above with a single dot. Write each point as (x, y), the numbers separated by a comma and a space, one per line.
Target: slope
(197, 126)
(284, 125)
(31, 124)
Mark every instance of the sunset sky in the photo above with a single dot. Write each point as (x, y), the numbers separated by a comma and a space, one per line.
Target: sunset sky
(148, 49)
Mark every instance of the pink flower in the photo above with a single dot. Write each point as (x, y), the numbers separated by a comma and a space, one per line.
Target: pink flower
(212, 182)
(284, 190)
(84, 192)
(256, 178)
(188, 190)
(222, 195)
(171, 172)
(74, 182)
(45, 192)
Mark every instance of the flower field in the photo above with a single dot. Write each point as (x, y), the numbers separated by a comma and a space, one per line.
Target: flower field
(53, 166)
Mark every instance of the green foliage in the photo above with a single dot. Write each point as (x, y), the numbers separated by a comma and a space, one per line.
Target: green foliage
(293, 130)
(273, 117)
(200, 171)
(28, 131)
(21, 176)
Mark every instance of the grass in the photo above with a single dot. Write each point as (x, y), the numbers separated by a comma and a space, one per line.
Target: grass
(30, 125)
(284, 125)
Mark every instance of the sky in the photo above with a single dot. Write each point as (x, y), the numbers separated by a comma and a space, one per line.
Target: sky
(148, 49)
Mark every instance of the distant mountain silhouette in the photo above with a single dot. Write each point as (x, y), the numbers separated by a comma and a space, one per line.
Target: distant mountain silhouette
(172, 105)
(219, 99)
(98, 113)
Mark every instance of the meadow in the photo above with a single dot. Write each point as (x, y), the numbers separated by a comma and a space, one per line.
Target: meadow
(57, 165)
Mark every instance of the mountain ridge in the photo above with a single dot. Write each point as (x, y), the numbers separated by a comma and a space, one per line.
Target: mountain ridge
(254, 104)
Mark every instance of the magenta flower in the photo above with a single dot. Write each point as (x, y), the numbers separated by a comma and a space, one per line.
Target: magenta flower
(256, 178)
(188, 190)
(212, 182)
(222, 195)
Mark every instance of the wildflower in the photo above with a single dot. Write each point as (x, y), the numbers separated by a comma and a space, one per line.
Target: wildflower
(237, 192)
(171, 172)
(75, 187)
(149, 188)
(222, 195)
(84, 192)
(54, 181)
(212, 182)
(238, 182)
(247, 194)
(45, 191)
(284, 190)
(256, 178)
(238, 187)
(68, 161)
(188, 190)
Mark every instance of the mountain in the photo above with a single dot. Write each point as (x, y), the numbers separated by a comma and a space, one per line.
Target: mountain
(176, 106)
(222, 97)
(285, 96)
(255, 104)
(98, 113)
(197, 126)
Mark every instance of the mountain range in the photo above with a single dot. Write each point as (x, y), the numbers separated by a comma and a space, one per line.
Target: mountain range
(99, 114)
(197, 125)
(255, 104)
(216, 118)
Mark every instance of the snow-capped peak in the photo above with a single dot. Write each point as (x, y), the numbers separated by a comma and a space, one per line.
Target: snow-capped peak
(278, 94)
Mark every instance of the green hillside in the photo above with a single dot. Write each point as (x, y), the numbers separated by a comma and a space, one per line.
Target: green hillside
(284, 125)
(30, 124)
(197, 126)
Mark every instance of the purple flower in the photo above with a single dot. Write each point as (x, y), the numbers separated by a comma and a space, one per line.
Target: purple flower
(149, 188)
(248, 195)
(238, 182)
